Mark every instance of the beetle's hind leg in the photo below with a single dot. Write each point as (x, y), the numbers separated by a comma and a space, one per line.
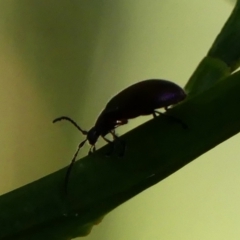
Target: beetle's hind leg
(177, 120)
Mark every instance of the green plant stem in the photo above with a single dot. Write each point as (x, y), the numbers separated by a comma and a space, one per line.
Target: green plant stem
(156, 149)
(98, 184)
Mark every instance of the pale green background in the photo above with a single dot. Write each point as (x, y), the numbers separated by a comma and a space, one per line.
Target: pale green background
(70, 57)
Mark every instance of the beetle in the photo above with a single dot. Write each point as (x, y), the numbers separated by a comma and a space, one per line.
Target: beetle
(139, 99)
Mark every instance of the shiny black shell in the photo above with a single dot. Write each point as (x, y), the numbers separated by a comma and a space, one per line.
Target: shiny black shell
(141, 98)
(144, 97)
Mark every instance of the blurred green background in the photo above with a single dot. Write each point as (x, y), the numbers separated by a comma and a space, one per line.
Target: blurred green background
(69, 58)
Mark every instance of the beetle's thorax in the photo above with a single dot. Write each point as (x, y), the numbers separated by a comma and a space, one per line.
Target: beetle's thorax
(104, 124)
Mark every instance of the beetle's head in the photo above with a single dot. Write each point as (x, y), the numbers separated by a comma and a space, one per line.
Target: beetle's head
(92, 136)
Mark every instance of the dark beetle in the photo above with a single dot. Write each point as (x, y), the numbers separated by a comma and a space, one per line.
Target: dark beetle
(142, 98)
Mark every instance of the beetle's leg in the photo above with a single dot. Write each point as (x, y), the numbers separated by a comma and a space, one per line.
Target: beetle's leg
(107, 140)
(184, 125)
(111, 146)
(116, 138)
(92, 150)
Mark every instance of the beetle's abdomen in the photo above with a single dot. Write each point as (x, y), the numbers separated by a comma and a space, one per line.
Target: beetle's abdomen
(143, 98)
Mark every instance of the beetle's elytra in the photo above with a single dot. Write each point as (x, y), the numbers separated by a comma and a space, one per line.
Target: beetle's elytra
(142, 98)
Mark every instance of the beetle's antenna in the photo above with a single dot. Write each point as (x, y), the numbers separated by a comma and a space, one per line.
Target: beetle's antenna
(71, 121)
(71, 164)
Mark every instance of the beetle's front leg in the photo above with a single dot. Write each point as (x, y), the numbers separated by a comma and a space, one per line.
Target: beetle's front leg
(91, 150)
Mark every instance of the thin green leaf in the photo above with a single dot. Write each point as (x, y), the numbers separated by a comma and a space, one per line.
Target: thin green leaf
(208, 72)
(222, 59)
(227, 44)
